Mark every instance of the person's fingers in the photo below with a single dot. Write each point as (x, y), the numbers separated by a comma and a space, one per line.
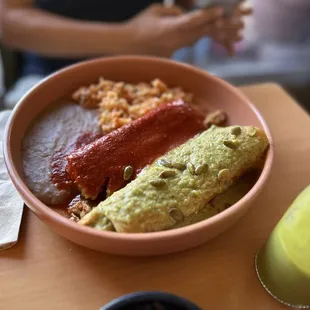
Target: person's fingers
(187, 4)
(225, 30)
(233, 38)
(222, 37)
(205, 31)
(161, 10)
(220, 30)
(200, 17)
(230, 48)
(226, 35)
(242, 11)
(229, 24)
(192, 26)
(190, 37)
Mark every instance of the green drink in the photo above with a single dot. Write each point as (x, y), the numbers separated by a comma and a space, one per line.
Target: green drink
(283, 264)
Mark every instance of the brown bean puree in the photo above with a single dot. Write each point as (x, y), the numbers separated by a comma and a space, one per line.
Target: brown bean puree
(55, 131)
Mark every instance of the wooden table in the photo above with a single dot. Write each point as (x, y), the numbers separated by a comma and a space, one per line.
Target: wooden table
(44, 271)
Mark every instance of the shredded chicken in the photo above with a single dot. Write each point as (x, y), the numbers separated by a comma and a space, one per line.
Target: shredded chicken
(79, 209)
(217, 117)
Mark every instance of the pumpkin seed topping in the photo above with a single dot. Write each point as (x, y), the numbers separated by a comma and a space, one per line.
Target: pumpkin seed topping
(223, 175)
(191, 168)
(232, 144)
(166, 163)
(179, 166)
(176, 214)
(236, 131)
(158, 183)
(201, 169)
(167, 174)
(127, 173)
(252, 131)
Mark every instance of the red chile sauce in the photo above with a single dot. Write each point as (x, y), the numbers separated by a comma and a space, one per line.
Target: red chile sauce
(136, 144)
(59, 162)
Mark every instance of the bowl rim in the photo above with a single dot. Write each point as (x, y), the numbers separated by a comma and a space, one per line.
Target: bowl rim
(141, 296)
(30, 199)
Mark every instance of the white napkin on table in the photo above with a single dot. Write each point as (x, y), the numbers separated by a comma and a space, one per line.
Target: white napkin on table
(11, 204)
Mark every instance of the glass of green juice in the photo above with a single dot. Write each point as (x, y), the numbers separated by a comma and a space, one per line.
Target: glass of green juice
(283, 263)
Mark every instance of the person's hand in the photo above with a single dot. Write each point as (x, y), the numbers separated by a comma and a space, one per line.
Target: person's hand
(228, 30)
(160, 31)
(186, 4)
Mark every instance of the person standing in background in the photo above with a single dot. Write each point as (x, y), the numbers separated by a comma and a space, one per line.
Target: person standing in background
(52, 34)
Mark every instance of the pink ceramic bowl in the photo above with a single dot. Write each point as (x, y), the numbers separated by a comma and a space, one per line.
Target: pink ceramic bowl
(209, 91)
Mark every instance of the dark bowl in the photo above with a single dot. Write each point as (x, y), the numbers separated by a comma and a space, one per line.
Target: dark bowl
(150, 301)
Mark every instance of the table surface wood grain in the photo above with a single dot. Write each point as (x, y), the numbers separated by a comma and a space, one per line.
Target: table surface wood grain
(45, 271)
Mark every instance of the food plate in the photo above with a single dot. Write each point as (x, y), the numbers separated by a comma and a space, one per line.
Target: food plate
(133, 236)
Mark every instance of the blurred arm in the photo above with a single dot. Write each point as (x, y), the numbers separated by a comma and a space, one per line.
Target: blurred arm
(25, 27)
